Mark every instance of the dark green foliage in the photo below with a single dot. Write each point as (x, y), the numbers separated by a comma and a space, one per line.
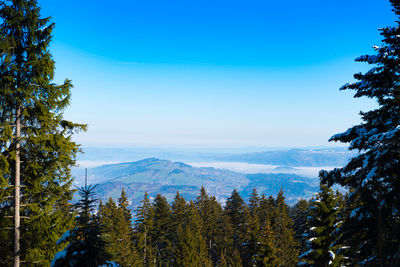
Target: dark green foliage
(47, 151)
(235, 208)
(210, 210)
(282, 226)
(266, 252)
(322, 233)
(162, 232)
(373, 175)
(224, 240)
(142, 229)
(254, 202)
(299, 213)
(117, 231)
(191, 247)
(86, 246)
(177, 235)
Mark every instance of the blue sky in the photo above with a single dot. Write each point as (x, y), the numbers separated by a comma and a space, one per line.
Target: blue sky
(213, 73)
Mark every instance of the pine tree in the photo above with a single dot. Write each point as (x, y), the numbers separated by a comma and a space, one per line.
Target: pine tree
(252, 237)
(299, 214)
(210, 212)
(224, 240)
(266, 252)
(323, 224)
(254, 202)
(142, 229)
(178, 211)
(191, 248)
(373, 175)
(29, 98)
(267, 208)
(162, 232)
(282, 226)
(117, 232)
(123, 204)
(85, 247)
(235, 208)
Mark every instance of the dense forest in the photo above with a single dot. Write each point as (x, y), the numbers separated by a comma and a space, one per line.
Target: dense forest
(39, 225)
(263, 232)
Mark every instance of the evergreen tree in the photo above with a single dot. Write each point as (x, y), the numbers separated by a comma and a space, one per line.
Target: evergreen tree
(142, 229)
(254, 202)
(191, 247)
(162, 232)
(28, 97)
(299, 214)
(178, 211)
(323, 225)
(267, 208)
(235, 208)
(123, 204)
(85, 247)
(210, 212)
(282, 226)
(117, 232)
(266, 252)
(252, 237)
(224, 240)
(373, 175)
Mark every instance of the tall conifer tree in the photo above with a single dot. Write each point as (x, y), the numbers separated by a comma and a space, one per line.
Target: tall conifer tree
(31, 107)
(86, 246)
(299, 214)
(142, 232)
(282, 226)
(373, 175)
(117, 232)
(210, 212)
(162, 232)
(191, 248)
(235, 208)
(323, 224)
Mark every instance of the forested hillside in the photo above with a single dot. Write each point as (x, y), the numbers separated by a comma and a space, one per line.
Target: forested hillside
(156, 176)
(222, 224)
(265, 231)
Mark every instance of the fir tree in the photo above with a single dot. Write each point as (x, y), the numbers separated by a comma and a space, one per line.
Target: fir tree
(28, 97)
(162, 232)
(191, 247)
(254, 202)
(224, 240)
(266, 210)
(266, 252)
(322, 222)
(123, 204)
(235, 208)
(252, 237)
(282, 226)
(142, 229)
(210, 212)
(178, 211)
(373, 175)
(299, 214)
(85, 246)
(117, 232)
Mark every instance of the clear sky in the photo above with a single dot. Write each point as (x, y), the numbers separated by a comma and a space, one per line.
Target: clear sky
(213, 73)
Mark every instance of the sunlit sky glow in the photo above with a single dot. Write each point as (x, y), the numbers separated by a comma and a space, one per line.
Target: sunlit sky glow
(213, 73)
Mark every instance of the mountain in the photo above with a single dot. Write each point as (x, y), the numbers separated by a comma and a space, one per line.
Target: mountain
(295, 157)
(166, 177)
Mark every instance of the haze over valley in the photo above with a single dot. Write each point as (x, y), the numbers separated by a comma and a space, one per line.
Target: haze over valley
(140, 170)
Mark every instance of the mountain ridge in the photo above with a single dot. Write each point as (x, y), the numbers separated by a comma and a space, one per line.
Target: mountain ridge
(154, 176)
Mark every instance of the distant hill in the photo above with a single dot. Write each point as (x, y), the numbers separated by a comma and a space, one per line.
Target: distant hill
(295, 157)
(166, 177)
